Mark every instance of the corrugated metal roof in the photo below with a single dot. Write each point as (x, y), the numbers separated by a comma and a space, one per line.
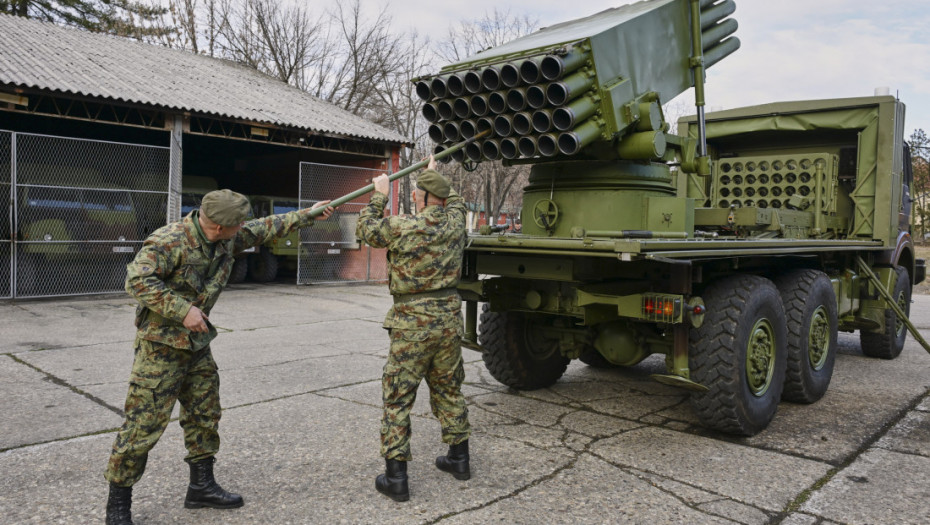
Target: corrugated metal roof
(49, 57)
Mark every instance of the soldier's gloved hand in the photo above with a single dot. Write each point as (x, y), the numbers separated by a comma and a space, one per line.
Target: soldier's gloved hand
(382, 183)
(195, 320)
(326, 213)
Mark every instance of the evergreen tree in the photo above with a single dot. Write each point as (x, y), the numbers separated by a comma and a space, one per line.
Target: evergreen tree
(129, 18)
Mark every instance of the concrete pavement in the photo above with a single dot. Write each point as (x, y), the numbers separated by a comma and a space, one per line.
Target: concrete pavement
(300, 370)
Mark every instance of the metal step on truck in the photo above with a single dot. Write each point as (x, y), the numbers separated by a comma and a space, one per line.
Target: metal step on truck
(737, 248)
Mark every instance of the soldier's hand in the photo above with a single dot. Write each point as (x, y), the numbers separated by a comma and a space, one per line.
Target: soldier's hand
(196, 320)
(382, 183)
(431, 165)
(326, 213)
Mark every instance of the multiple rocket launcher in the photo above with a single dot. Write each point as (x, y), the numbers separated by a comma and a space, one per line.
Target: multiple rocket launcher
(558, 90)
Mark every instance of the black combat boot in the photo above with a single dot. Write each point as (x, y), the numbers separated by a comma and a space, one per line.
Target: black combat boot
(205, 492)
(393, 483)
(118, 505)
(456, 461)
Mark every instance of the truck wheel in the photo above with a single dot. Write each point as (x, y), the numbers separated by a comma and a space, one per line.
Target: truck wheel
(591, 357)
(515, 353)
(263, 266)
(810, 309)
(239, 270)
(739, 354)
(889, 343)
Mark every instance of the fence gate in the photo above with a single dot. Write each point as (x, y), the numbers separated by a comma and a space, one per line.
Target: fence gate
(329, 251)
(80, 211)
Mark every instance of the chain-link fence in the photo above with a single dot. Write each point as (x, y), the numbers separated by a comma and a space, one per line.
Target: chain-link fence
(6, 214)
(81, 209)
(329, 251)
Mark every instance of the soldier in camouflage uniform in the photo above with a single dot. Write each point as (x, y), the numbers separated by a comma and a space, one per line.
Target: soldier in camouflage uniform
(425, 323)
(176, 277)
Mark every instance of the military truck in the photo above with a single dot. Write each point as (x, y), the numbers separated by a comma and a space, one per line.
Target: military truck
(72, 239)
(268, 259)
(737, 248)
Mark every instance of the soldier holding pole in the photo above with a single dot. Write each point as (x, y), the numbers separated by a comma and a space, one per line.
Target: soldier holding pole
(425, 323)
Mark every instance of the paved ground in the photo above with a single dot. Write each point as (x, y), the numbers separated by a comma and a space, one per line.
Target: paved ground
(300, 370)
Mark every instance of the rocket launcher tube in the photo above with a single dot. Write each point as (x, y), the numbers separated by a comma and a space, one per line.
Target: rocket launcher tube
(451, 150)
(503, 125)
(423, 90)
(572, 142)
(461, 107)
(478, 105)
(565, 118)
(542, 120)
(527, 146)
(436, 133)
(510, 74)
(497, 101)
(559, 93)
(529, 70)
(455, 85)
(485, 124)
(431, 112)
(438, 86)
(547, 144)
(451, 131)
(509, 148)
(720, 51)
(472, 81)
(716, 13)
(715, 34)
(491, 78)
(468, 129)
(473, 152)
(516, 99)
(491, 149)
(522, 123)
(446, 111)
(536, 96)
(554, 67)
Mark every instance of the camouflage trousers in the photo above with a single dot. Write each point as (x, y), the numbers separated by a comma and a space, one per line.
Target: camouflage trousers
(435, 355)
(161, 375)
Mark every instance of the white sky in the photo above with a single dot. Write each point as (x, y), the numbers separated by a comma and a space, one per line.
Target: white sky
(791, 49)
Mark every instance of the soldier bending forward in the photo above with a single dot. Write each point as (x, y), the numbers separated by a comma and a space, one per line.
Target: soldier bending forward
(425, 323)
(177, 277)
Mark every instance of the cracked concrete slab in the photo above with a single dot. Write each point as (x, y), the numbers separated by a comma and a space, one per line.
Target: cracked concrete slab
(300, 375)
(36, 410)
(768, 480)
(881, 486)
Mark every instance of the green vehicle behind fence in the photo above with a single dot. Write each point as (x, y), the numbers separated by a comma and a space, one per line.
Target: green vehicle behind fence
(737, 249)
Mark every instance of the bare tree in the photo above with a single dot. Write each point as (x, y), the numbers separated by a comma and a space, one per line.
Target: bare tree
(920, 190)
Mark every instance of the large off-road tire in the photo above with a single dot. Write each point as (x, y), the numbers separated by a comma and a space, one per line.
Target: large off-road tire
(516, 354)
(263, 266)
(239, 270)
(739, 354)
(810, 309)
(889, 343)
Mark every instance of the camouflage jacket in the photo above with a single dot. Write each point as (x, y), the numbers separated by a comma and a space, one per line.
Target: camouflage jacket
(175, 270)
(424, 254)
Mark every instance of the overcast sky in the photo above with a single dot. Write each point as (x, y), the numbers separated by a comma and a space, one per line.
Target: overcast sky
(791, 49)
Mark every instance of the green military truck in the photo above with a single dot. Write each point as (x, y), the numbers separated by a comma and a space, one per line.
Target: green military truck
(267, 260)
(737, 248)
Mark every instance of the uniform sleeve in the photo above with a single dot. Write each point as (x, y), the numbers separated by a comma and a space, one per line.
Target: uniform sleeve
(455, 208)
(259, 231)
(373, 228)
(145, 281)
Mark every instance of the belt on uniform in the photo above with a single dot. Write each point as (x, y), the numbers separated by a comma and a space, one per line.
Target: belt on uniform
(442, 293)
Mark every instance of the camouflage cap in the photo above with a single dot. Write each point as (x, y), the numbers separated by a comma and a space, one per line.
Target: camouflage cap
(225, 207)
(433, 182)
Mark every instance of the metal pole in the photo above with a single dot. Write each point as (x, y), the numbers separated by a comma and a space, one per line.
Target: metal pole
(402, 173)
(14, 215)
